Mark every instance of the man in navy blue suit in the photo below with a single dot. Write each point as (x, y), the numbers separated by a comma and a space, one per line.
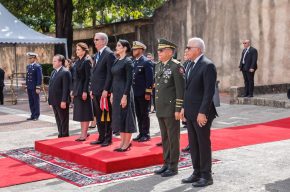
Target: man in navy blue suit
(142, 86)
(33, 85)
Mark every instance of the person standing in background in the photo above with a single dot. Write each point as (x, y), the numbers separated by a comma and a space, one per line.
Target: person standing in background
(142, 86)
(33, 85)
(248, 66)
(2, 76)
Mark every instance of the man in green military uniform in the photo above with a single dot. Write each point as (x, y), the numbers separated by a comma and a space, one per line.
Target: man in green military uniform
(170, 82)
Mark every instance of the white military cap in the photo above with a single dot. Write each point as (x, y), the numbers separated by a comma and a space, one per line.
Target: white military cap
(138, 45)
(31, 54)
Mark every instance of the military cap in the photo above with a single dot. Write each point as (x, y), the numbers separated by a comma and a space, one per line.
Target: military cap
(138, 45)
(163, 43)
(32, 54)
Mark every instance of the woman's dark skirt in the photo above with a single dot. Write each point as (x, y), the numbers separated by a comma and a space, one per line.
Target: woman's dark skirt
(83, 110)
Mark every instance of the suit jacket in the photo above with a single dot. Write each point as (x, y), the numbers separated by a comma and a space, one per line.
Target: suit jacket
(101, 76)
(250, 59)
(33, 76)
(59, 87)
(2, 75)
(81, 76)
(143, 76)
(199, 89)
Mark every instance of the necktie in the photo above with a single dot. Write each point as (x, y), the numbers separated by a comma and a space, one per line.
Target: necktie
(246, 50)
(54, 73)
(190, 67)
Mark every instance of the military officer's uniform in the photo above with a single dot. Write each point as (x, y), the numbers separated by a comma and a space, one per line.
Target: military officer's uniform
(170, 83)
(142, 86)
(33, 82)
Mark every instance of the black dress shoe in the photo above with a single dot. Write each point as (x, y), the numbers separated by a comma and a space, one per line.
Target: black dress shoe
(192, 178)
(96, 142)
(137, 138)
(144, 138)
(202, 182)
(186, 149)
(250, 95)
(169, 173)
(161, 170)
(29, 119)
(245, 95)
(159, 144)
(106, 143)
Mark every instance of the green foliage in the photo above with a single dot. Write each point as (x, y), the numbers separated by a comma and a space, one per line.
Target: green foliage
(47, 68)
(39, 14)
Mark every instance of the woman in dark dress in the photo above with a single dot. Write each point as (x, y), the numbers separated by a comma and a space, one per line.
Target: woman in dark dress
(122, 98)
(83, 111)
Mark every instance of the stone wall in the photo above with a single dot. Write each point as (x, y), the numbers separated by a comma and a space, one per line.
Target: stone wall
(223, 24)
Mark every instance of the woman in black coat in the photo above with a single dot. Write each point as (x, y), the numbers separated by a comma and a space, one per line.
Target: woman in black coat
(122, 97)
(83, 111)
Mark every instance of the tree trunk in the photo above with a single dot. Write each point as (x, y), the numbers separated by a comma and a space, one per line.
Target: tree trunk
(63, 24)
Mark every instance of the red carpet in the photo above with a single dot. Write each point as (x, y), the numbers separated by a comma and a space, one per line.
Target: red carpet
(104, 159)
(13, 172)
(234, 137)
(147, 154)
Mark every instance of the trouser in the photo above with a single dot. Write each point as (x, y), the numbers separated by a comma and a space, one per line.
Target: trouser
(200, 147)
(249, 82)
(104, 127)
(142, 113)
(170, 134)
(62, 120)
(1, 95)
(34, 104)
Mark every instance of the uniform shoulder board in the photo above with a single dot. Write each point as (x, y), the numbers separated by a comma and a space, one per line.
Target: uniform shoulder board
(175, 61)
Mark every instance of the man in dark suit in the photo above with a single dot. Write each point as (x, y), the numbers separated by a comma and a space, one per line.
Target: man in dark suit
(248, 66)
(2, 75)
(59, 94)
(199, 111)
(101, 80)
(142, 86)
(33, 85)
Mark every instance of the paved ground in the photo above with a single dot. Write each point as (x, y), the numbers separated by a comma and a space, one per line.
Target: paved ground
(263, 167)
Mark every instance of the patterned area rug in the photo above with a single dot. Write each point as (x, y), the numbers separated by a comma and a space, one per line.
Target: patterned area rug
(78, 174)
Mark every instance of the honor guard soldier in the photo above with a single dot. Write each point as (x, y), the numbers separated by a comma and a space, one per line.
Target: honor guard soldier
(142, 86)
(170, 83)
(33, 85)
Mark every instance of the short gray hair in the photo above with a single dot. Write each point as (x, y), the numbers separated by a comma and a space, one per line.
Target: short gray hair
(104, 36)
(199, 43)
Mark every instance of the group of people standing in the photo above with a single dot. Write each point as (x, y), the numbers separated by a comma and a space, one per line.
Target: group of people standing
(115, 90)
(112, 91)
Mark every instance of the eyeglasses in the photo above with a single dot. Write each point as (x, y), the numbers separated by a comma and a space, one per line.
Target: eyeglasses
(187, 47)
(97, 40)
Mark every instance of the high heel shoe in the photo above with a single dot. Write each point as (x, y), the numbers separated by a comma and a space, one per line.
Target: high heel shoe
(92, 127)
(82, 139)
(123, 150)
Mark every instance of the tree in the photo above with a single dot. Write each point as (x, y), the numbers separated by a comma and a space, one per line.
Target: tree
(63, 24)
